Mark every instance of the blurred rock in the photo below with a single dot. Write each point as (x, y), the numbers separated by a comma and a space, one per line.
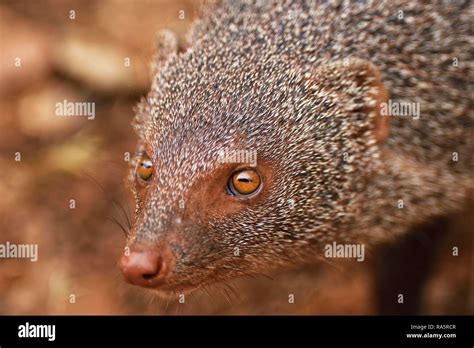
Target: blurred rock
(13, 174)
(99, 63)
(136, 23)
(24, 52)
(9, 139)
(72, 156)
(55, 13)
(37, 116)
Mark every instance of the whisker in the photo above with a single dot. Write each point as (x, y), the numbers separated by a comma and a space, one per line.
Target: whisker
(232, 290)
(113, 200)
(153, 299)
(206, 290)
(125, 231)
(253, 274)
(224, 292)
(129, 213)
(332, 264)
(122, 209)
(177, 308)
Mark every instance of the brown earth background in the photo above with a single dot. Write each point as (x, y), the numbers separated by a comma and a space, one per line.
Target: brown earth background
(82, 59)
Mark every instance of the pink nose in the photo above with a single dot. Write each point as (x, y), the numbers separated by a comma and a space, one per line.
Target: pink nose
(143, 267)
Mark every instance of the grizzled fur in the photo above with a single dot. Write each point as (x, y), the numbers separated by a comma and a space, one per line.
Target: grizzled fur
(285, 78)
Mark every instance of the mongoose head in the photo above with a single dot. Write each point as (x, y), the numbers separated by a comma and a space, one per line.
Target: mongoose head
(247, 163)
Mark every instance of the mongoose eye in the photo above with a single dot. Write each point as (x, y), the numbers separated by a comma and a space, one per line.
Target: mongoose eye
(145, 168)
(244, 183)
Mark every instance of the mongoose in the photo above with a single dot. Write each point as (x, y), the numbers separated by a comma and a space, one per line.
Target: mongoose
(316, 89)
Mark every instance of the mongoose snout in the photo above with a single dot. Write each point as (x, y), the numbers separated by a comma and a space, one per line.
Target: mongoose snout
(144, 266)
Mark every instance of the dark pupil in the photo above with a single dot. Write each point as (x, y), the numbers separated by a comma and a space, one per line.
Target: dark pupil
(146, 164)
(245, 180)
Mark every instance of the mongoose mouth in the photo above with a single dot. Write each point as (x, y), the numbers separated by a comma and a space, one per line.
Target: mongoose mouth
(185, 287)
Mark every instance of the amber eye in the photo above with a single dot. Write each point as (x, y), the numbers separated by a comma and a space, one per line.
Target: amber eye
(244, 183)
(145, 168)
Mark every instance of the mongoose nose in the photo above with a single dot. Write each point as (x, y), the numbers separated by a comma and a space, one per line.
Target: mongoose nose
(143, 267)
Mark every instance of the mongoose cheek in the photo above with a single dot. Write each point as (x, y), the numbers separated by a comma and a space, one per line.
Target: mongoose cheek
(175, 248)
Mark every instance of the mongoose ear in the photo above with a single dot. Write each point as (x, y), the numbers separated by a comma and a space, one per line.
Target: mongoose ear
(361, 82)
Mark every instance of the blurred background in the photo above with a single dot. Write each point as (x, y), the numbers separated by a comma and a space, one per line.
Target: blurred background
(99, 51)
